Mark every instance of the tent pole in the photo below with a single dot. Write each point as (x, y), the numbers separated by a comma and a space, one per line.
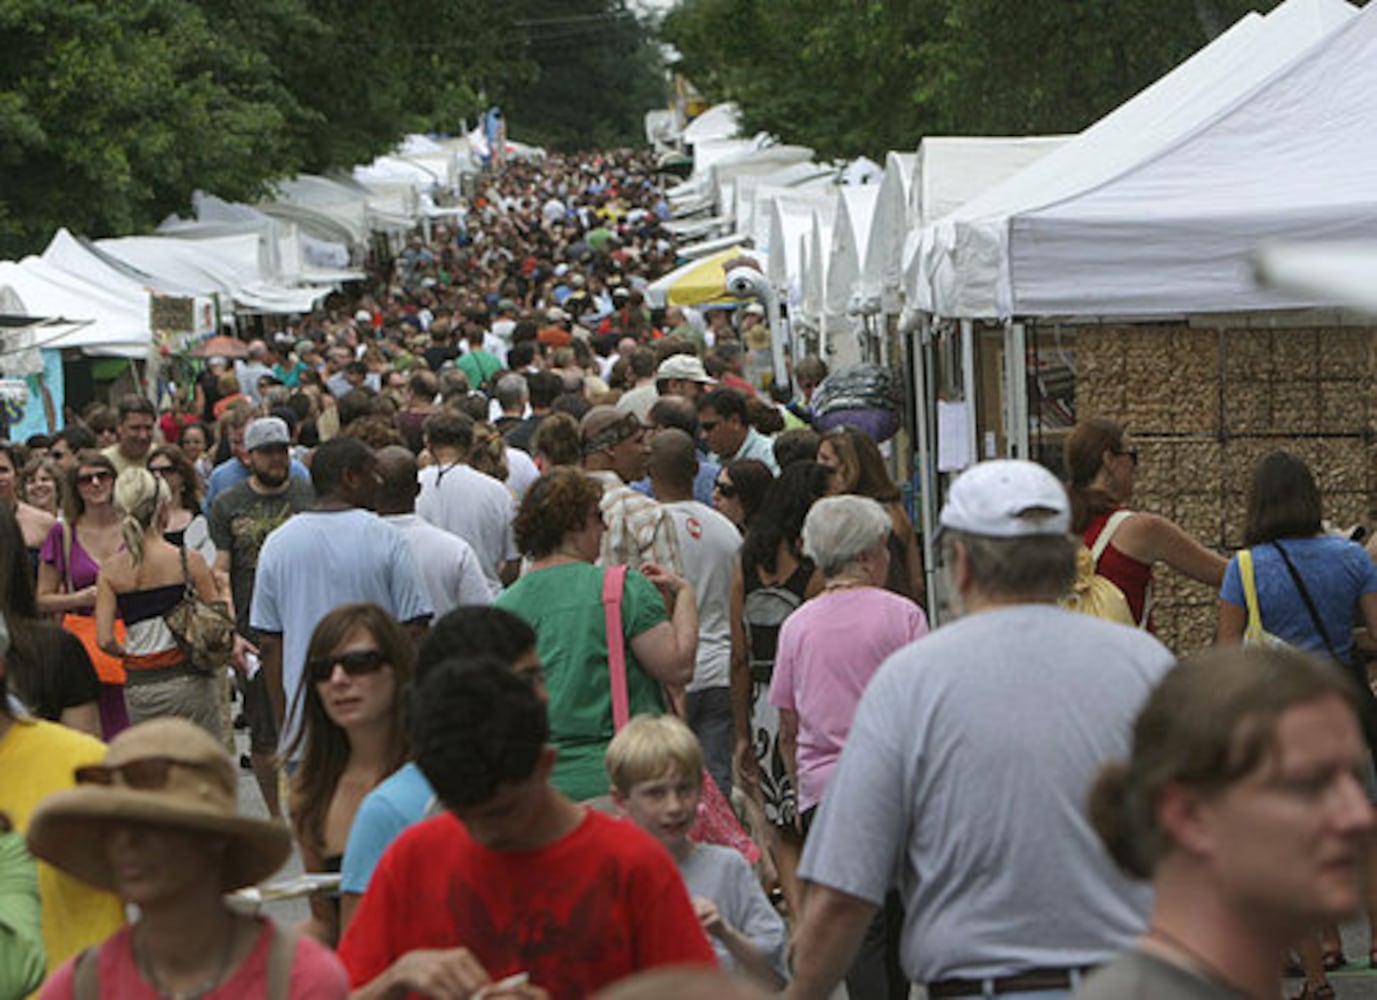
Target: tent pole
(969, 383)
(1015, 390)
(927, 479)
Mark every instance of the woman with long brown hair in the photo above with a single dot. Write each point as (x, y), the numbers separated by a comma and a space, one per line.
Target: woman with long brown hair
(186, 523)
(33, 522)
(1101, 464)
(859, 468)
(358, 664)
(74, 551)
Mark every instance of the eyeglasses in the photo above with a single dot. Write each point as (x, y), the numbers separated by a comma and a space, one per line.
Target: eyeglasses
(144, 773)
(355, 664)
(1132, 454)
(162, 470)
(725, 488)
(91, 478)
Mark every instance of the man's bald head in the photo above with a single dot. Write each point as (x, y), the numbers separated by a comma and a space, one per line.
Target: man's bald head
(397, 466)
(673, 465)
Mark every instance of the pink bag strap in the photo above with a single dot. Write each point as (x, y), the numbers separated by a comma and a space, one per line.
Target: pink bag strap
(613, 583)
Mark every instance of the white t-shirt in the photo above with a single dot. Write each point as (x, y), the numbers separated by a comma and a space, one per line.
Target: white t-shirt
(474, 506)
(521, 471)
(708, 544)
(447, 563)
(969, 761)
(317, 561)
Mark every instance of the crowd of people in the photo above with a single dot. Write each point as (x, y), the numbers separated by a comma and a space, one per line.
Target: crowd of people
(588, 663)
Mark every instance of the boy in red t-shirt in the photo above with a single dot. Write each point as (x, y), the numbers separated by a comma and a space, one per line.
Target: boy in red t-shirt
(514, 879)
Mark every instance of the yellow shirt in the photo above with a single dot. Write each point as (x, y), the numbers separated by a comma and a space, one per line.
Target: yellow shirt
(36, 759)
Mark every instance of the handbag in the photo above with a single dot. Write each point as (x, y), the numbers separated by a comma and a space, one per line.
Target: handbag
(1253, 632)
(716, 821)
(203, 629)
(109, 669)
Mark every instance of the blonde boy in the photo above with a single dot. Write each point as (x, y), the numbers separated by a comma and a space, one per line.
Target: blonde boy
(656, 767)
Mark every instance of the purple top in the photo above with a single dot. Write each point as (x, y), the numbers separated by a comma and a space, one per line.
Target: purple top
(84, 568)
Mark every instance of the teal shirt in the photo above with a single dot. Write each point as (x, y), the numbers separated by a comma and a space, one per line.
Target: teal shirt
(479, 366)
(564, 606)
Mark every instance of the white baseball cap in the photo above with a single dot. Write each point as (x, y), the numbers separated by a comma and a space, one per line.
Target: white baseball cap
(1007, 498)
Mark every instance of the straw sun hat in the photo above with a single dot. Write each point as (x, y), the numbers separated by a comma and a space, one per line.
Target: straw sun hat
(166, 772)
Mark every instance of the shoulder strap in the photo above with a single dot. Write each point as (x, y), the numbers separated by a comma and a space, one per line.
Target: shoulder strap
(86, 974)
(67, 556)
(187, 588)
(1107, 533)
(613, 582)
(281, 952)
(1245, 573)
(1309, 604)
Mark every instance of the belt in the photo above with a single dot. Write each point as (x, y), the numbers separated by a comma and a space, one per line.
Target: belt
(1025, 982)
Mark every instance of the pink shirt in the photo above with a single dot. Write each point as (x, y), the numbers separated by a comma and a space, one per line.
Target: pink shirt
(828, 651)
(316, 973)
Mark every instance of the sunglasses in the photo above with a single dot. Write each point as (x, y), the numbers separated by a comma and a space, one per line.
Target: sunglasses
(144, 773)
(725, 488)
(355, 664)
(90, 478)
(162, 470)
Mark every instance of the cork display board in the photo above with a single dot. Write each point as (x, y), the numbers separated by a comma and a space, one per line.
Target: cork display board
(1204, 405)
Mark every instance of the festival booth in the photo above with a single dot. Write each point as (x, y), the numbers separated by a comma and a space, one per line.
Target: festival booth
(848, 336)
(1114, 277)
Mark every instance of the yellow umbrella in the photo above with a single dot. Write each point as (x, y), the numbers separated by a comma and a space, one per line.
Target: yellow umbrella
(698, 282)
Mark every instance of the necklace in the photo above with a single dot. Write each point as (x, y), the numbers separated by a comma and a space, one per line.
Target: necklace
(1192, 957)
(149, 973)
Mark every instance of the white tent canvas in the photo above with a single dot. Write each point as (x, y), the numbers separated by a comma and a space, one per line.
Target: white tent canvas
(964, 257)
(112, 324)
(1294, 159)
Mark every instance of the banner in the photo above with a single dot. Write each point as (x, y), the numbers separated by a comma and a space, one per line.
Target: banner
(45, 395)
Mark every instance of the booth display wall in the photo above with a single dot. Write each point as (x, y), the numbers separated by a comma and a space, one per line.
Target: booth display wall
(1205, 404)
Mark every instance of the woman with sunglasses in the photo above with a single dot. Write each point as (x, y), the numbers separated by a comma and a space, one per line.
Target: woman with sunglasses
(141, 585)
(69, 564)
(358, 665)
(858, 468)
(33, 522)
(739, 489)
(1101, 465)
(186, 524)
(156, 822)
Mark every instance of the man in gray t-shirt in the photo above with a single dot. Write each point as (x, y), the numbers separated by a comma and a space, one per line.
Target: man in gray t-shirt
(964, 777)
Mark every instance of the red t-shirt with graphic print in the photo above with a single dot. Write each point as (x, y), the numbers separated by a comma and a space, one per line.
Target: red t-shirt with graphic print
(600, 903)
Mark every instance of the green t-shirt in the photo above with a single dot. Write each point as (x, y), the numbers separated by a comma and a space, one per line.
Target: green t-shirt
(479, 366)
(564, 606)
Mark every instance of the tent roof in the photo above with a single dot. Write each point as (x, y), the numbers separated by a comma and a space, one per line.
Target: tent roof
(721, 121)
(115, 324)
(850, 237)
(964, 257)
(1291, 159)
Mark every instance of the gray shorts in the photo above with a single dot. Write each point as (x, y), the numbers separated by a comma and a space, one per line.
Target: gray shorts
(188, 694)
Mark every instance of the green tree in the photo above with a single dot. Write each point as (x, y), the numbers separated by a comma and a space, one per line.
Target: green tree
(112, 112)
(864, 76)
(599, 72)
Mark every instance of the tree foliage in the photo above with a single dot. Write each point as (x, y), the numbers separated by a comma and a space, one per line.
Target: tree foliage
(863, 76)
(112, 112)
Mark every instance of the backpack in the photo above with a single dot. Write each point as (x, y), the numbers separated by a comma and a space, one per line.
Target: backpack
(763, 612)
(1095, 595)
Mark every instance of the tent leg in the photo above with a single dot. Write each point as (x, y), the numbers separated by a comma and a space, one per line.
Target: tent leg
(927, 476)
(1015, 390)
(970, 380)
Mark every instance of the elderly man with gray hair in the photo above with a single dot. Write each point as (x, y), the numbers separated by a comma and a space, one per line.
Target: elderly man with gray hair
(963, 779)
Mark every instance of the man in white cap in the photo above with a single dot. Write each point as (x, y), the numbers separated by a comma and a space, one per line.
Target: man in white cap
(682, 375)
(964, 779)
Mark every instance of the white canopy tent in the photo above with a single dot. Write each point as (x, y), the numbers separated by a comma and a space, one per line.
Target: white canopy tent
(964, 257)
(1292, 159)
(815, 190)
(721, 121)
(1340, 274)
(845, 265)
(101, 322)
(877, 287)
(791, 231)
